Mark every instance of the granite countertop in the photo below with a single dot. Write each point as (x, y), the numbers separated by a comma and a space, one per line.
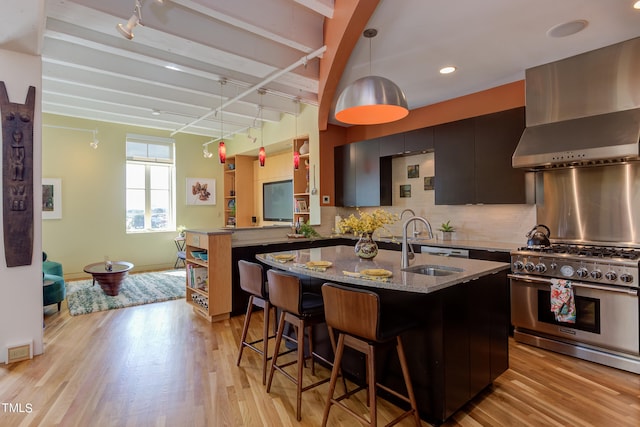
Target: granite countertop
(343, 258)
(258, 239)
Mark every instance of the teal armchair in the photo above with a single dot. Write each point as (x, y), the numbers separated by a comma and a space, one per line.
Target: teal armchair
(56, 292)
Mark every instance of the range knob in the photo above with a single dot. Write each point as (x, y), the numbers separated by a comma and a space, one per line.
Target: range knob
(611, 275)
(518, 265)
(541, 268)
(529, 267)
(553, 265)
(626, 278)
(582, 272)
(596, 274)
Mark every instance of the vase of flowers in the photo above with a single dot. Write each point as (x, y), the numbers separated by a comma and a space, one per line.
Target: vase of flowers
(363, 226)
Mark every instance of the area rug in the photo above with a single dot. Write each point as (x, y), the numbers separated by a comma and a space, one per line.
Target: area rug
(137, 289)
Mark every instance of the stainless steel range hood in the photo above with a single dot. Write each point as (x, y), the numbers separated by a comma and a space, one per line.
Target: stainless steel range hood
(583, 110)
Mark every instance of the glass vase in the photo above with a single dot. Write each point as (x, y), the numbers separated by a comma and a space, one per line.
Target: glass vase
(366, 247)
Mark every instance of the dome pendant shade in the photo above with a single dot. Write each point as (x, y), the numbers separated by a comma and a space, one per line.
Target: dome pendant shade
(371, 100)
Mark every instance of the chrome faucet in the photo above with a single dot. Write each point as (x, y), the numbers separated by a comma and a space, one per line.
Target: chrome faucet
(410, 211)
(404, 262)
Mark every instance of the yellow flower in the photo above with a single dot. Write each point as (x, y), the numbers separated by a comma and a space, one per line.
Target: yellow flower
(366, 222)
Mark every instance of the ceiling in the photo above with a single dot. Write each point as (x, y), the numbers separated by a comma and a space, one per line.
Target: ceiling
(91, 71)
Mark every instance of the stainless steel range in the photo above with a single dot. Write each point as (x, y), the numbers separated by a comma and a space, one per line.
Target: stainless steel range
(605, 283)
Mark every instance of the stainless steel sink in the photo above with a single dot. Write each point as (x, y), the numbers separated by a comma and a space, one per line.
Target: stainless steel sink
(433, 270)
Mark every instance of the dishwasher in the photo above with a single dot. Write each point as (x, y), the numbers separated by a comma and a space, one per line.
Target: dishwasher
(452, 252)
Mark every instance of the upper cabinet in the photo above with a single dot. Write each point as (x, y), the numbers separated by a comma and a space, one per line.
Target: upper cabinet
(473, 160)
(363, 178)
(412, 142)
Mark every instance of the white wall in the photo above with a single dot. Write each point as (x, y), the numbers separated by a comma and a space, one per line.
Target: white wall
(21, 303)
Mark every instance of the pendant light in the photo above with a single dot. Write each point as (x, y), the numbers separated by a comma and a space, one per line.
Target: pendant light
(372, 99)
(296, 152)
(222, 150)
(262, 155)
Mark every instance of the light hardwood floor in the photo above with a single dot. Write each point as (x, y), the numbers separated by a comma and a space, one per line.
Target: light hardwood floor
(161, 365)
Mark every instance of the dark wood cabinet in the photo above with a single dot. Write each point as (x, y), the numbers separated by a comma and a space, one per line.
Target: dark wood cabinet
(473, 160)
(454, 163)
(418, 141)
(412, 142)
(363, 178)
(496, 138)
(391, 145)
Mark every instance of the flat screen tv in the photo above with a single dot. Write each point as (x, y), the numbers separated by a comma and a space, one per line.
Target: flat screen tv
(277, 201)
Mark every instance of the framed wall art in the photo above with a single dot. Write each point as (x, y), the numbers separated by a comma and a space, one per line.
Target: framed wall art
(405, 190)
(51, 198)
(413, 171)
(428, 183)
(201, 191)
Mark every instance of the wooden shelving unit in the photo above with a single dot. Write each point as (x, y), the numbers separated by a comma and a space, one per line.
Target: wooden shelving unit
(301, 184)
(209, 287)
(238, 191)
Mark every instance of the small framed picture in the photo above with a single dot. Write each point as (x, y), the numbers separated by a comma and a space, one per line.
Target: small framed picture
(51, 198)
(301, 205)
(428, 183)
(405, 190)
(413, 171)
(201, 191)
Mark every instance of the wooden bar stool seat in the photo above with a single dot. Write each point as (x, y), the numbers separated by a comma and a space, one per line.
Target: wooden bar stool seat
(302, 310)
(356, 316)
(252, 281)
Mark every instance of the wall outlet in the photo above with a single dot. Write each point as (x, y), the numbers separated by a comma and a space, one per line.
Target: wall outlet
(18, 353)
(325, 199)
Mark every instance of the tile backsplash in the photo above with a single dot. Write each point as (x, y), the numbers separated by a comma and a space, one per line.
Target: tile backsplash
(493, 223)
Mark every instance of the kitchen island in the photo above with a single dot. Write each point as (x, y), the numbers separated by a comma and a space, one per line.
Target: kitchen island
(461, 345)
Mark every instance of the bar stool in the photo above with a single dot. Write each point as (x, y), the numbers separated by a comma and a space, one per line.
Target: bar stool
(252, 281)
(355, 315)
(302, 310)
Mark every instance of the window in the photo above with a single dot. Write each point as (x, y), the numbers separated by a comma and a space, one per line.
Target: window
(150, 184)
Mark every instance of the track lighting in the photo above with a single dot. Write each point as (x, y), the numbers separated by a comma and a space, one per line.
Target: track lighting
(127, 29)
(222, 150)
(94, 143)
(206, 153)
(262, 154)
(296, 153)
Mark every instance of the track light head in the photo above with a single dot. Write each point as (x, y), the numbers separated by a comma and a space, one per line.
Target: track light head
(127, 29)
(206, 153)
(94, 143)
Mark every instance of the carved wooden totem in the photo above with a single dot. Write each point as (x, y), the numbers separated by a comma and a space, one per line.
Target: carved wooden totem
(17, 177)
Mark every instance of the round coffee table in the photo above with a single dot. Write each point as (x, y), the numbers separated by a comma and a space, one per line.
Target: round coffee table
(109, 280)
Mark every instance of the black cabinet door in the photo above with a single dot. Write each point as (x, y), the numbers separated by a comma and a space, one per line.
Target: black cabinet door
(455, 163)
(496, 138)
(367, 173)
(345, 175)
(391, 145)
(362, 177)
(418, 141)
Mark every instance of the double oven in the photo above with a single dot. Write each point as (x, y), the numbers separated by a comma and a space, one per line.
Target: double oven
(604, 283)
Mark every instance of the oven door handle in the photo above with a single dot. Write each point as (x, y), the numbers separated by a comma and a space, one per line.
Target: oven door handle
(543, 281)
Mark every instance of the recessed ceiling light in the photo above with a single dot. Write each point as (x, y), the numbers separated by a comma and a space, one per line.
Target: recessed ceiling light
(447, 70)
(568, 28)
(155, 112)
(172, 67)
